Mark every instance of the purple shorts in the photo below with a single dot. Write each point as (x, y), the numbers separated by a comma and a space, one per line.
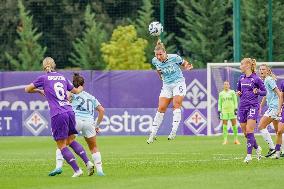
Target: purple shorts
(249, 112)
(63, 125)
(282, 115)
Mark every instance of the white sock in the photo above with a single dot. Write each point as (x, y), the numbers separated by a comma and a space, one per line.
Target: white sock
(176, 119)
(157, 121)
(267, 137)
(249, 155)
(59, 159)
(98, 161)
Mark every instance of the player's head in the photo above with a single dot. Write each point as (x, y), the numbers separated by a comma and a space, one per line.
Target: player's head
(160, 51)
(78, 80)
(265, 70)
(226, 85)
(48, 64)
(248, 65)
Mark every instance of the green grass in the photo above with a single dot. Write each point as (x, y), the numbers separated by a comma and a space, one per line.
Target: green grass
(187, 162)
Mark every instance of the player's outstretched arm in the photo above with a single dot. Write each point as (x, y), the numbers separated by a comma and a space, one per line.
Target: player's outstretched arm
(101, 113)
(159, 74)
(32, 89)
(186, 65)
(262, 103)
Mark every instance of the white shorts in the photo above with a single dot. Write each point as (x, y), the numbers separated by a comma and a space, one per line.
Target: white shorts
(272, 113)
(175, 89)
(86, 126)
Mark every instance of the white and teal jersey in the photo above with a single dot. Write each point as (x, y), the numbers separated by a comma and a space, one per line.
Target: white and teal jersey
(170, 68)
(271, 96)
(84, 105)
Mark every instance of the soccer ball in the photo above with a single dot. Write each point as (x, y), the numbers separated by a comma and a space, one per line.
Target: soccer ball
(155, 28)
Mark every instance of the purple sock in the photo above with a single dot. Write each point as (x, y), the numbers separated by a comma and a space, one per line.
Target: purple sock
(277, 147)
(79, 150)
(250, 143)
(255, 145)
(70, 158)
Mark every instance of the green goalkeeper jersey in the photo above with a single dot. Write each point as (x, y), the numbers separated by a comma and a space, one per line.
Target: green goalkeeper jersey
(227, 101)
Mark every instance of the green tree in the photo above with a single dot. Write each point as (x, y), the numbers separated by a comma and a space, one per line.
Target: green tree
(125, 51)
(8, 33)
(30, 52)
(203, 26)
(145, 17)
(87, 53)
(278, 28)
(254, 34)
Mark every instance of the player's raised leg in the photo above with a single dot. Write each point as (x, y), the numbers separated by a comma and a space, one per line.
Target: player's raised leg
(80, 151)
(158, 119)
(59, 164)
(69, 157)
(264, 122)
(177, 103)
(251, 141)
(179, 92)
(96, 155)
(279, 140)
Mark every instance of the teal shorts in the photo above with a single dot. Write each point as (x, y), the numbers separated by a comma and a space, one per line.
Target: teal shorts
(228, 116)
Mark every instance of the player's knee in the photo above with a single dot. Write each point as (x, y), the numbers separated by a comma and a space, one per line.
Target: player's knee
(261, 126)
(95, 149)
(279, 133)
(177, 105)
(162, 109)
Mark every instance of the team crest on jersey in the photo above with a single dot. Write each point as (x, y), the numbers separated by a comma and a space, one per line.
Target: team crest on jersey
(196, 122)
(36, 123)
(196, 97)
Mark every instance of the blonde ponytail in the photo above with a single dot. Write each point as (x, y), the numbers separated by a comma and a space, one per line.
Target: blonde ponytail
(160, 46)
(252, 63)
(48, 64)
(270, 73)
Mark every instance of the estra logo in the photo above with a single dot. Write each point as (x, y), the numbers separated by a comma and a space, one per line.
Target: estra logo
(127, 123)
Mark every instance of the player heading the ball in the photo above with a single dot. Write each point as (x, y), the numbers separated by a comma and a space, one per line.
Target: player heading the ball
(168, 67)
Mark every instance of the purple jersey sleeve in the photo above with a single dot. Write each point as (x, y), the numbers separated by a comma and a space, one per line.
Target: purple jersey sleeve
(239, 85)
(282, 86)
(69, 85)
(39, 82)
(261, 87)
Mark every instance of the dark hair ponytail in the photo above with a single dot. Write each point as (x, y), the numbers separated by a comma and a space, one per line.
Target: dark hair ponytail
(78, 80)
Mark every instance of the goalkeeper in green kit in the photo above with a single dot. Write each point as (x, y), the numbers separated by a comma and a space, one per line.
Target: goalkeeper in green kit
(227, 109)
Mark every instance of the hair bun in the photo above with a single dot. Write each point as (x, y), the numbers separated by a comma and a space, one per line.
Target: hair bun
(76, 74)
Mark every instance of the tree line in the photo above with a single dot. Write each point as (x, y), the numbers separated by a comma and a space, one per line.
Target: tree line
(113, 34)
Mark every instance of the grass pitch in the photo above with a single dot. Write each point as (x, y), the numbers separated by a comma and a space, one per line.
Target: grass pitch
(187, 162)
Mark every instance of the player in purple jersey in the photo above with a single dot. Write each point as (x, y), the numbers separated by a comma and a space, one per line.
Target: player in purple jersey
(84, 106)
(249, 87)
(62, 116)
(280, 125)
